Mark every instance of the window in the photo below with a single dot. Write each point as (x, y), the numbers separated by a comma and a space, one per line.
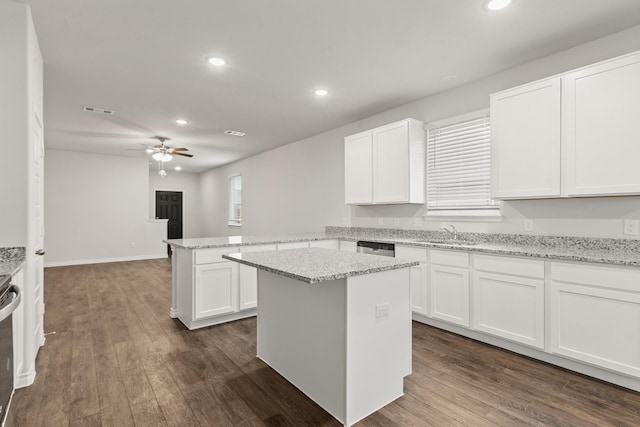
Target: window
(235, 200)
(458, 167)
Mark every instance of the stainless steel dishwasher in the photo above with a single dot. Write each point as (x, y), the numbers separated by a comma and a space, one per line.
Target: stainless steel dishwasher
(376, 248)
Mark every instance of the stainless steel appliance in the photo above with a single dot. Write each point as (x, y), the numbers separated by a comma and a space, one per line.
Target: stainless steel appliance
(376, 248)
(9, 300)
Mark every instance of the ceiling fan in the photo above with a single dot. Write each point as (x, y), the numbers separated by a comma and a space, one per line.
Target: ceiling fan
(163, 153)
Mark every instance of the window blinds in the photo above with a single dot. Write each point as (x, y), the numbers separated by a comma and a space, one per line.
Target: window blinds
(458, 166)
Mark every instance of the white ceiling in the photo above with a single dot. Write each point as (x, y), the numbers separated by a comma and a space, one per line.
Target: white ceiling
(145, 59)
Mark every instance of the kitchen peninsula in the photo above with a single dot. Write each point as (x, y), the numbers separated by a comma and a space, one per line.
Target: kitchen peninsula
(337, 325)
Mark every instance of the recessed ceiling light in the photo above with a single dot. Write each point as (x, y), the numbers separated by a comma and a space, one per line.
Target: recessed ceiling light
(178, 168)
(218, 62)
(182, 122)
(497, 4)
(449, 78)
(234, 133)
(321, 92)
(149, 150)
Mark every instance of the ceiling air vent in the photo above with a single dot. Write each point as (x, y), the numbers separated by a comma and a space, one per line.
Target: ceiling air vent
(234, 133)
(97, 110)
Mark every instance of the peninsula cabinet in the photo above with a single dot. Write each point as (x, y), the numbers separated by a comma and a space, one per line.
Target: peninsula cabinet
(418, 276)
(571, 135)
(248, 277)
(449, 286)
(595, 315)
(386, 165)
(508, 298)
(215, 283)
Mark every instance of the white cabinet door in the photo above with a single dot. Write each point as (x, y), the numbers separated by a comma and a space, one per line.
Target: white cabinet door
(391, 163)
(216, 289)
(510, 307)
(525, 141)
(418, 276)
(327, 244)
(347, 246)
(358, 153)
(449, 294)
(595, 316)
(386, 164)
(601, 133)
(293, 245)
(248, 281)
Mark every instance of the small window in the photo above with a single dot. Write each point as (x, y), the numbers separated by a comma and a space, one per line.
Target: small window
(235, 200)
(458, 167)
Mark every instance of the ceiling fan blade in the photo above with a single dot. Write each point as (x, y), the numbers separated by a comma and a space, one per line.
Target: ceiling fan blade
(179, 149)
(182, 154)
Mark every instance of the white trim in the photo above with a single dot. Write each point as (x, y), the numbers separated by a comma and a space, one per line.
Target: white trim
(457, 119)
(158, 220)
(104, 260)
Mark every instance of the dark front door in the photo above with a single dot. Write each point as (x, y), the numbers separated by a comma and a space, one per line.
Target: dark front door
(169, 206)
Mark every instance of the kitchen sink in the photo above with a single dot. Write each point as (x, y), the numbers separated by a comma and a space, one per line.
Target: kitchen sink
(448, 242)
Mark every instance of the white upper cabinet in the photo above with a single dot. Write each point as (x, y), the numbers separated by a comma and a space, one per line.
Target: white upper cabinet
(525, 141)
(573, 135)
(358, 154)
(601, 135)
(386, 165)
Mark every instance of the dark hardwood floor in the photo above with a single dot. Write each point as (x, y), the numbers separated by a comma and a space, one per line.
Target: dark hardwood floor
(117, 359)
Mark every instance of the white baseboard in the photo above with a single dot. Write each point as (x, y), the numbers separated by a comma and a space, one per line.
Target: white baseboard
(103, 260)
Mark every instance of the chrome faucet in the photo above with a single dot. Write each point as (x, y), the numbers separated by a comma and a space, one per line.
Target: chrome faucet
(453, 232)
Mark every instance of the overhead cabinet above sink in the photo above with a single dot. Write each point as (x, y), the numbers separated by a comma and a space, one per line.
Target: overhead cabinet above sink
(386, 165)
(572, 135)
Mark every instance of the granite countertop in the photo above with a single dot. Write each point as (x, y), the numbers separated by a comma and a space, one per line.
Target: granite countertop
(229, 241)
(11, 260)
(316, 265)
(625, 252)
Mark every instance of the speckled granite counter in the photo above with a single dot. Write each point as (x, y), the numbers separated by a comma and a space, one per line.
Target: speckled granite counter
(624, 252)
(600, 250)
(229, 241)
(318, 265)
(11, 260)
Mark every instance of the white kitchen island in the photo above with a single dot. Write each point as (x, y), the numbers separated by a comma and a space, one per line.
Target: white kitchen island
(336, 325)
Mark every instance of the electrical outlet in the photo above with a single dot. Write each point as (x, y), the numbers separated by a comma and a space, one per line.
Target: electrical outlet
(527, 225)
(396, 222)
(382, 310)
(630, 227)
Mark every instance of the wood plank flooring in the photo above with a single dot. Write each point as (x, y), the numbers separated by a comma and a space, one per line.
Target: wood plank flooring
(117, 359)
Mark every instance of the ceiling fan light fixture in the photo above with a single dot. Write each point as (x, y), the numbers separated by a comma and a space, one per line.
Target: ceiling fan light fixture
(162, 157)
(162, 173)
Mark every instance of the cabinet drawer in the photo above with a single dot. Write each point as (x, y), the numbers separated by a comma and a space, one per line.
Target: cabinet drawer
(604, 277)
(208, 256)
(257, 248)
(412, 254)
(508, 265)
(451, 258)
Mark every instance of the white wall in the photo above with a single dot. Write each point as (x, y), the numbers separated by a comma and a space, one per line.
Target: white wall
(14, 110)
(189, 185)
(291, 189)
(96, 206)
(300, 187)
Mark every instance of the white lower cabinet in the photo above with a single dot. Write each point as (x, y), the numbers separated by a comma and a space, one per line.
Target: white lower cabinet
(508, 298)
(347, 246)
(418, 277)
(449, 286)
(327, 244)
(248, 297)
(595, 315)
(216, 289)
